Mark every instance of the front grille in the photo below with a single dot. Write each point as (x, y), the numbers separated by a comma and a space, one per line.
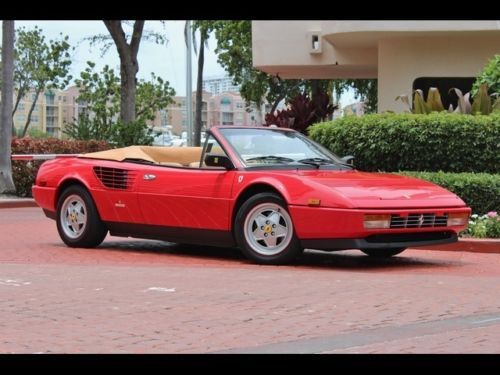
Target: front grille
(114, 178)
(427, 220)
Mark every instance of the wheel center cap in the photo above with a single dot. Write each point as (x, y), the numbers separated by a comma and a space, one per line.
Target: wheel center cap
(268, 229)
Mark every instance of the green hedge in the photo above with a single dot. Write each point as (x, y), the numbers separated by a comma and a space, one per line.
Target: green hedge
(437, 141)
(481, 191)
(24, 172)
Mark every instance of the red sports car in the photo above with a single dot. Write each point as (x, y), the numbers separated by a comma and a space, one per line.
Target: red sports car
(269, 191)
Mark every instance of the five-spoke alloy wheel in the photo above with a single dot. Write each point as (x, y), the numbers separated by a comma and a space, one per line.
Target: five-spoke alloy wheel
(264, 230)
(78, 221)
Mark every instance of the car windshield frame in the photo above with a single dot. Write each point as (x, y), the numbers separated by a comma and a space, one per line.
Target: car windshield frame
(277, 160)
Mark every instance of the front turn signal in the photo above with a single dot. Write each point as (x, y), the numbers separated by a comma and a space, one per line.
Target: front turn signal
(458, 219)
(377, 221)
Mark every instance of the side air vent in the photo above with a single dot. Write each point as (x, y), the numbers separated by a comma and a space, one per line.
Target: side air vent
(115, 178)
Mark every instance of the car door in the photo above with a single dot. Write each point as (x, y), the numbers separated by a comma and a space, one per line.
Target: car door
(177, 197)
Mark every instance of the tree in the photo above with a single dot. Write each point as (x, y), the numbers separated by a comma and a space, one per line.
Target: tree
(151, 97)
(489, 75)
(129, 66)
(302, 112)
(127, 46)
(364, 89)
(6, 182)
(204, 27)
(39, 65)
(234, 50)
(100, 93)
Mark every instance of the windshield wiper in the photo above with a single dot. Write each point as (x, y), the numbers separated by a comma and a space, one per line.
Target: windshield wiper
(316, 161)
(271, 158)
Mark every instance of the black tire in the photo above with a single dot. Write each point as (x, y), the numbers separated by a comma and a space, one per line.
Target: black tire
(84, 228)
(383, 253)
(280, 245)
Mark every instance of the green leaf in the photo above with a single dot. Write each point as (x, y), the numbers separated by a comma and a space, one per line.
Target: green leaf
(434, 100)
(419, 105)
(482, 101)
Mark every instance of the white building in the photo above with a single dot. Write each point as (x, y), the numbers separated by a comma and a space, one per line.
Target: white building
(401, 55)
(218, 85)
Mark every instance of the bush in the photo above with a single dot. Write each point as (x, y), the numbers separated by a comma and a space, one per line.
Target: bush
(481, 191)
(484, 226)
(489, 75)
(437, 141)
(24, 172)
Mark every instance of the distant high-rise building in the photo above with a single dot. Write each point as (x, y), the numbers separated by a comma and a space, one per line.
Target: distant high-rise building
(218, 85)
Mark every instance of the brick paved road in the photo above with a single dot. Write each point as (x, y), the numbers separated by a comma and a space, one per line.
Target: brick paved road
(132, 296)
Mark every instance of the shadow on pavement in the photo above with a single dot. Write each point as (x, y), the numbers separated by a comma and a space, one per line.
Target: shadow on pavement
(340, 260)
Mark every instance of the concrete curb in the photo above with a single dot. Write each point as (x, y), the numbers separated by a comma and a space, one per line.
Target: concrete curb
(17, 202)
(471, 245)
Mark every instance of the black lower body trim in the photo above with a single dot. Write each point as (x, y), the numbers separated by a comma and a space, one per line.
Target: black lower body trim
(50, 214)
(193, 236)
(382, 241)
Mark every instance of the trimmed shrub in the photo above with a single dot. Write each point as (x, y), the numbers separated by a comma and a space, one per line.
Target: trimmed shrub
(481, 191)
(24, 172)
(438, 141)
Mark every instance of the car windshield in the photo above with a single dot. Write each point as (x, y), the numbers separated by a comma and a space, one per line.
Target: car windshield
(257, 147)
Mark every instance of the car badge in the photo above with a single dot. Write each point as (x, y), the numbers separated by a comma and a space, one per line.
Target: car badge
(420, 220)
(120, 204)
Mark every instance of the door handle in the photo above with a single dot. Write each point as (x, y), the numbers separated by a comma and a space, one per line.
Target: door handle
(149, 177)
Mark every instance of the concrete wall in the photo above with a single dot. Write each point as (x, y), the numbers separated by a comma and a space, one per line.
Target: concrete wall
(395, 52)
(402, 60)
(283, 47)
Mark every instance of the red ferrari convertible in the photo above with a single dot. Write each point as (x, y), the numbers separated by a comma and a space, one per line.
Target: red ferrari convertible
(269, 191)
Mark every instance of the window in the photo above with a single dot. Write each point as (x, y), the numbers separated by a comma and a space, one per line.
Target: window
(444, 84)
(212, 148)
(227, 118)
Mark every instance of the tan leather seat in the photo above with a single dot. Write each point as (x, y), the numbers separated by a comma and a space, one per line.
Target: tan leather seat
(194, 164)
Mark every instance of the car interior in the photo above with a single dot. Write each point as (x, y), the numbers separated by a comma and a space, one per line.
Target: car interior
(168, 156)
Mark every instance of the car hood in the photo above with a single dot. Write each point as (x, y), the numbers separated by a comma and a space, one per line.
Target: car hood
(372, 190)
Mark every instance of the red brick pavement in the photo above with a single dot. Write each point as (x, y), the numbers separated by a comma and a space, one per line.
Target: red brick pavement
(132, 296)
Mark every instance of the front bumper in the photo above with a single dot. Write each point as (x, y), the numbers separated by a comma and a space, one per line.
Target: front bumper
(315, 223)
(383, 241)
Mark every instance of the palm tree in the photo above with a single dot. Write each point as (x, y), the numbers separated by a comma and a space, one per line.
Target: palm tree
(6, 182)
(205, 27)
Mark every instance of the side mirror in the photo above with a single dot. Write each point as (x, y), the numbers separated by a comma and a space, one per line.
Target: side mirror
(218, 161)
(349, 160)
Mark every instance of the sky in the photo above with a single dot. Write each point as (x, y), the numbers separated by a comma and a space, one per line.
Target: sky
(166, 61)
